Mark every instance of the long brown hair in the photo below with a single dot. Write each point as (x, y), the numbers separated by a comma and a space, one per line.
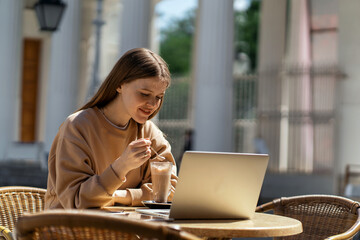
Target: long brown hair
(134, 64)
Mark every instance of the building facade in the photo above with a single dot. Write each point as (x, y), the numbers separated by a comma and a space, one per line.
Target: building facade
(47, 76)
(307, 107)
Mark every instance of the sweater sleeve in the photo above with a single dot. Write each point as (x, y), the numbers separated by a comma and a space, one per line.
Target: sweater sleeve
(162, 146)
(77, 184)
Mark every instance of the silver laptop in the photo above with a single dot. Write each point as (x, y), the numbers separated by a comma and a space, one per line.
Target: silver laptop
(214, 185)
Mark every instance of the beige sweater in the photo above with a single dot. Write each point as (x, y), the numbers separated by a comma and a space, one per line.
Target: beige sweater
(80, 170)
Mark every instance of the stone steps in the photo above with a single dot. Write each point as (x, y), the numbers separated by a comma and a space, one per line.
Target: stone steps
(20, 173)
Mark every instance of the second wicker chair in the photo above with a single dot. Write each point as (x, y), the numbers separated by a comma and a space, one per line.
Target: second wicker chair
(322, 216)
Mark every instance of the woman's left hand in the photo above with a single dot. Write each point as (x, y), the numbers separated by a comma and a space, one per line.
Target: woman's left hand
(122, 196)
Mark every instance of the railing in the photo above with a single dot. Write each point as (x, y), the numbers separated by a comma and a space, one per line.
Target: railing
(288, 113)
(296, 117)
(174, 117)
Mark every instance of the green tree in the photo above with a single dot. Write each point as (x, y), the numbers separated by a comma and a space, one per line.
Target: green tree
(246, 32)
(176, 44)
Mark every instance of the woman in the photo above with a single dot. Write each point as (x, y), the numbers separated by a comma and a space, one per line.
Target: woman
(101, 153)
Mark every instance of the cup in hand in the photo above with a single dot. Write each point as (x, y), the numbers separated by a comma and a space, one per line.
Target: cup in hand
(160, 175)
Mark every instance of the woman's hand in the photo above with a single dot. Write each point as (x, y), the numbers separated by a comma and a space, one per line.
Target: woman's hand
(135, 155)
(172, 189)
(122, 197)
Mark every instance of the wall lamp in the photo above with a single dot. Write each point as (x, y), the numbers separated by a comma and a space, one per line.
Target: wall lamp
(49, 13)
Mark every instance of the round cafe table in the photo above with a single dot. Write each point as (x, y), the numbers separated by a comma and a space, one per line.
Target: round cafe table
(261, 225)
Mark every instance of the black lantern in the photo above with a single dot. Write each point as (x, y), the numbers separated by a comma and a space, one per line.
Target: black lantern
(49, 14)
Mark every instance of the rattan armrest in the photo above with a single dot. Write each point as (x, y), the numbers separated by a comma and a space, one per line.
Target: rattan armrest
(6, 233)
(349, 233)
(265, 207)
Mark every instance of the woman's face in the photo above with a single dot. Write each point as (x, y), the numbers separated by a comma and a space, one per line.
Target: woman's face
(142, 97)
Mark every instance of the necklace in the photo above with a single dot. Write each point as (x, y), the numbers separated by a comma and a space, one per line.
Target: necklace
(114, 125)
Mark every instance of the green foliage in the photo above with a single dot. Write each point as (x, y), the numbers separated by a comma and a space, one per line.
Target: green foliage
(176, 44)
(246, 32)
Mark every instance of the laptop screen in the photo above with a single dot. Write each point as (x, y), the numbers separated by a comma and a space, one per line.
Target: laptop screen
(215, 185)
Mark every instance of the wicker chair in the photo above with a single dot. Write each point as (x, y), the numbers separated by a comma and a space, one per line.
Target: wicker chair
(92, 224)
(322, 216)
(14, 202)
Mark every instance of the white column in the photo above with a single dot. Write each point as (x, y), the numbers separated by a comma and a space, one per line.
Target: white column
(11, 14)
(64, 73)
(298, 51)
(272, 38)
(213, 76)
(135, 24)
(299, 54)
(271, 56)
(348, 109)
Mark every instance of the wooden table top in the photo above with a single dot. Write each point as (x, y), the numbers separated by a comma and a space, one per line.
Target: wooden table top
(261, 225)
